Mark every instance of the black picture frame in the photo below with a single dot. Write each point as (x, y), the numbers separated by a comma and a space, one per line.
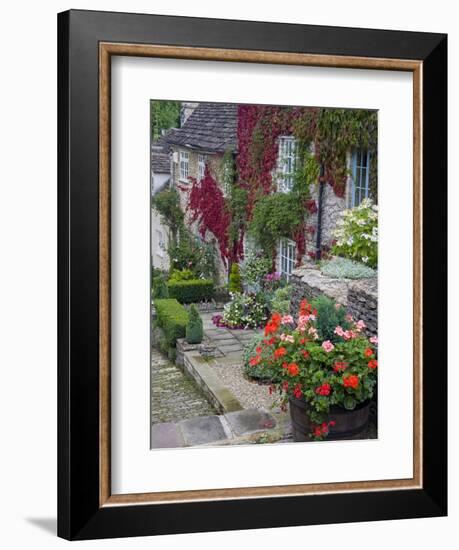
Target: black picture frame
(80, 515)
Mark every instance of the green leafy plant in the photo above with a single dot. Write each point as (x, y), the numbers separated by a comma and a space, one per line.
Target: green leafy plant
(344, 268)
(255, 267)
(329, 316)
(191, 290)
(257, 370)
(163, 115)
(281, 300)
(357, 234)
(172, 317)
(235, 283)
(167, 204)
(194, 330)
(276, 216)
(159, 288)
(178, 275)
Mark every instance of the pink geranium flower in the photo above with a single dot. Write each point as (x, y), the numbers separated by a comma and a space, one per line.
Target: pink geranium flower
(286, 319)
(339, 331)
(374, 340)
(360, 325)
(328, 346)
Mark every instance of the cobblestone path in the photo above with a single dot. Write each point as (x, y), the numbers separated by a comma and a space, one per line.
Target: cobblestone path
(174, 397)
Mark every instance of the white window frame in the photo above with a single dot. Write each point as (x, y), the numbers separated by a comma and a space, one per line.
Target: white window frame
(286, 257)
(286, 159)
(201, 166)
(184, 166)
(360, 179)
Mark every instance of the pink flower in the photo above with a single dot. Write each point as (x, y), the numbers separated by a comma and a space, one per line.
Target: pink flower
(360, 325)
(374, 340)
(338, 306)
(313, 332)
(349, 317)
(339, 331)
(287, 338)
(328, 346)
(286, 319)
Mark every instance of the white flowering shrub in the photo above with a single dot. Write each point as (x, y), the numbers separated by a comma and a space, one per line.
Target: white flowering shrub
(356, 234)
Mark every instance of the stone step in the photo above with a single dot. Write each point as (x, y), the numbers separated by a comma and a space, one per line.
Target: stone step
(245, 426)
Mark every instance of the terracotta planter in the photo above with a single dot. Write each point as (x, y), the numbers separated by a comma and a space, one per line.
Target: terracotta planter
(348, 424)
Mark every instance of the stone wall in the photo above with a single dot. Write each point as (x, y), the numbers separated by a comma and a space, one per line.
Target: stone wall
(362, 303)
(360, 297)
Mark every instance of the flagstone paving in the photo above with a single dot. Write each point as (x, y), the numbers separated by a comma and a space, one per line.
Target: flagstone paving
(236, 428)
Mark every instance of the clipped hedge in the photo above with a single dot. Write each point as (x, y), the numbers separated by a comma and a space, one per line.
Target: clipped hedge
(193, 290)
(172, 317)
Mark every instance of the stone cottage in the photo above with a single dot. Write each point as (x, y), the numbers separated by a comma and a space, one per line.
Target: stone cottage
(208, 132)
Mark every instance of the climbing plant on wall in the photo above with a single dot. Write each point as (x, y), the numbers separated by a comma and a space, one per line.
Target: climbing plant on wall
(208, 208)
(322, 137)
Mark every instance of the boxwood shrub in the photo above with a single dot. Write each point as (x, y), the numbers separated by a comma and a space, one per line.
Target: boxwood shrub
(193, 290)
(172, 317)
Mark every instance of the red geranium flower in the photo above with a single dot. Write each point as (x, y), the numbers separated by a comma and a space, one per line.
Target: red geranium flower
(255, 361)
(339, 366)
(297, 391)
(280, 352)
(372, 364)
(305, 353)
(351, 381)
(293, 369)
(368, 352)
(258, 349)
(324, 389)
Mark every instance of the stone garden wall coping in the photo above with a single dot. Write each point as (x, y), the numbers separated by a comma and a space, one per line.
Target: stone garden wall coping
(200, 369)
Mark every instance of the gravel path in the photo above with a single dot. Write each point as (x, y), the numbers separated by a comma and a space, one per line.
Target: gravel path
(249, 394)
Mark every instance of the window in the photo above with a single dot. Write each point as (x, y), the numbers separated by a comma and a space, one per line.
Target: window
(201, 166)
(287, 257)
(286, 163)
(360, 187)
(184, 164)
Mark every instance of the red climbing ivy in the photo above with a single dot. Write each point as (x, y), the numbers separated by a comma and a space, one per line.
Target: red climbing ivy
(208, 208)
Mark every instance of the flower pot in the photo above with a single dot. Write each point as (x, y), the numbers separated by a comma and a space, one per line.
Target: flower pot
(348, 424)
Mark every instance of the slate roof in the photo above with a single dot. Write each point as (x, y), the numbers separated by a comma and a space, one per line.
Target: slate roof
(160, 162)
(211, 127)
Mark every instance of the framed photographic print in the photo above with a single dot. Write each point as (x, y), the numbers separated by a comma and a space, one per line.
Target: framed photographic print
(252, 266)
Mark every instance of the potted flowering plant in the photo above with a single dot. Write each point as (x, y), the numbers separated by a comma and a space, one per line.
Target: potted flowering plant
(328, 384)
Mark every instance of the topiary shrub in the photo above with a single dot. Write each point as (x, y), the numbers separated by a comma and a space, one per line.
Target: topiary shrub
(159, 288)
(193, 290)
(329, 316)
(194, 330)
(235, 284)
(172, 317)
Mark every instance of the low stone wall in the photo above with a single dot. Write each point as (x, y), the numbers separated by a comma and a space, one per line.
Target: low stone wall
(362, 303)
(360, 297)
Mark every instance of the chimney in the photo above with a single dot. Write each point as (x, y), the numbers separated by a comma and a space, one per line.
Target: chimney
(185, 111)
